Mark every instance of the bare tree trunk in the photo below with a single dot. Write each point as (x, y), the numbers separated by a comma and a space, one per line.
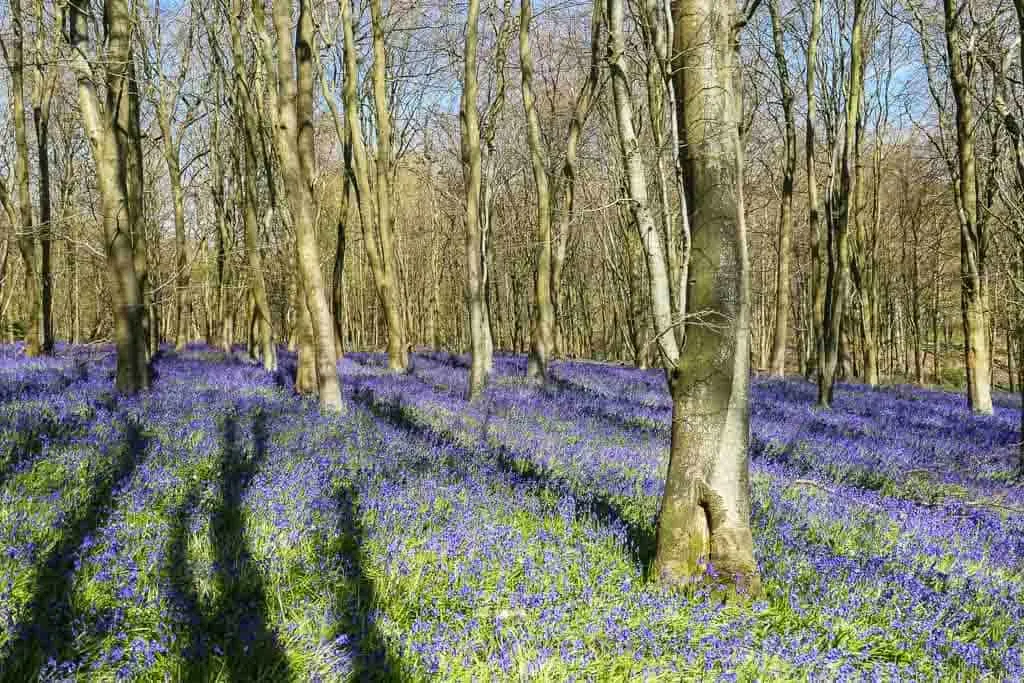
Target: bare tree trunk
(15, 58)
(171, 153)
(42, 96)
(249, 128)
(471, 169)
(705, 511)
(305, 370)
(845, 211)
(818, 256)
(338, 307)
(972, 237)
(542, 339)
(293, 134)
(128, 130)
(780, 337)
(581, 112)
(390, 289)
(377, 229)
(109, 153)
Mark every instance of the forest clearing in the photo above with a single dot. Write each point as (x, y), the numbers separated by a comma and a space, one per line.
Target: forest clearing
(219, 528)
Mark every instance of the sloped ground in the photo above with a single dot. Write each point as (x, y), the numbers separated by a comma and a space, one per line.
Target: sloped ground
(218, 528)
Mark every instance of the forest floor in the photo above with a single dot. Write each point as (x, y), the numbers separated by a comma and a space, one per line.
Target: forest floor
(219, 528)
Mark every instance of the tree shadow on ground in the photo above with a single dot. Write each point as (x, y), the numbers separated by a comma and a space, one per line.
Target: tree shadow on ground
(44, 383)
(356, 600)
(46, 629)
(521, 472)
(237, 621)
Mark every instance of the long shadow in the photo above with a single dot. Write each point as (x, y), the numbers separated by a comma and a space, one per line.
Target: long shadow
(46, 630)
(356, 599)
(521, 472)
(183, 595)
(238, 619)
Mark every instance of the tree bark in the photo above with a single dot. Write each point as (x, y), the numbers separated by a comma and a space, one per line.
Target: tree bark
(972, 238)
(15, 58)
(471, 170)
(581, 112)
(817, 247)
(249, 127)
(390, 290)
(780, 337)
(844, 212)
(705, 511)
(542, 339)
(294, 112)
(109, 153)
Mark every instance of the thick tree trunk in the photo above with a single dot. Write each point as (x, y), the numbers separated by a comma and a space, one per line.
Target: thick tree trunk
(109, 152)
(128, 131)
(705, 512)
(542, 339)
(305, 370)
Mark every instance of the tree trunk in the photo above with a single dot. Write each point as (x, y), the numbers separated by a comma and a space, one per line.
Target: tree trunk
(41, 118)
(972, 238)
(542, 338)
(15, 57)
(293, 134)
(390, 290)
(306, 369)
(779, 339)
(109, 153)
(471, 170)
(843, 216)
(249, 129)
(817, 247)
(705, 511)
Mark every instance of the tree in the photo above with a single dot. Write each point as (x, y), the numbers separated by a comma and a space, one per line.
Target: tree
(782, 284)
(110, 153)
(168, 95)
(15, 58)
(542, 337)
(250, 131)
(293, 142)
(817, 246)
(972, 230)
(705, 511)
(469, 123)
(842, 215)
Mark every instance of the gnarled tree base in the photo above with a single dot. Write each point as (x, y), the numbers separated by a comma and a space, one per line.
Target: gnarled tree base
(697, 545)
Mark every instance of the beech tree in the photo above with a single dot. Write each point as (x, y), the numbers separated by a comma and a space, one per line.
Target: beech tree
(14, 55)
(542, 335)
(118, 187)
(705, 511)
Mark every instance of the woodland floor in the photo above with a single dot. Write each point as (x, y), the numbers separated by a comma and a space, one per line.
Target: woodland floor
(219, 528)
